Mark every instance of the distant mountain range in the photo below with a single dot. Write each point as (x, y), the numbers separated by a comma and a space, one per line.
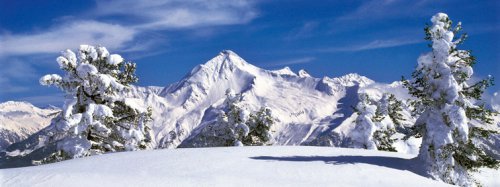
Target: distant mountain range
(18, 120)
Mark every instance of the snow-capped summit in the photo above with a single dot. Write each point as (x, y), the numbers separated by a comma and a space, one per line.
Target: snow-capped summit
(285, 71)
(18, 120)
(226, 70)
(303, 73)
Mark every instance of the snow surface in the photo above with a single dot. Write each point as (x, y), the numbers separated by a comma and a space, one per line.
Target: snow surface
(233, 166)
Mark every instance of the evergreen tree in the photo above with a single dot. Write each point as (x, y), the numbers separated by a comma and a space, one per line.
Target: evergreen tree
(394, 110)
(230, 127)
(373, 126)
(260, 124)
(362, 135)
(236, 126)
(96, 118)
(387, 116)
(447, 101)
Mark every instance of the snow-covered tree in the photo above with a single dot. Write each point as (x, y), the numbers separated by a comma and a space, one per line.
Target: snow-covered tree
(96, 118)
(259, 124)
(362, 135)
(387, 117)
(374, 129)
(395, 109)
(236, 126)
(441, 85)
(230, 127)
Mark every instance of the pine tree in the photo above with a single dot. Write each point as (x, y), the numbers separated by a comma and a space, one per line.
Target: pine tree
(387, 116)
(230, 127)
(96, 118)
(260, 124)
(373, 126)
(362, 135)
(236, 126)
(447, 101)
(394, 110)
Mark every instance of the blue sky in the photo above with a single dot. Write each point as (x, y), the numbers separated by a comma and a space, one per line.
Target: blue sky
(167, 38)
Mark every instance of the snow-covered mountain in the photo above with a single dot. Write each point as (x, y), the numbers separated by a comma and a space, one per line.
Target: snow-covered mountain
(18, 120)
(304, 106)
(308, 110)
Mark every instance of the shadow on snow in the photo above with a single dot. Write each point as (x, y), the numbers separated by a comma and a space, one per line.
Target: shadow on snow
(411, 165)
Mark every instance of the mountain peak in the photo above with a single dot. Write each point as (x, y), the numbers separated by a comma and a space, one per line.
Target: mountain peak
(284, 71)
(303, 73)
(225, 59)
(228, 52)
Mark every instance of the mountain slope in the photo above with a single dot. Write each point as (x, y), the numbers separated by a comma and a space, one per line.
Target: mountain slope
(233, 166)
(301, 104)
(18, 120)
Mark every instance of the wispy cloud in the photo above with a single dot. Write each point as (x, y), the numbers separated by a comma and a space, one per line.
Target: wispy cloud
(127, 22)
(172, 14)
(303, 60)
(13, 73)
(68, 35)
(383, 9)
(304, 31)
(376, 44)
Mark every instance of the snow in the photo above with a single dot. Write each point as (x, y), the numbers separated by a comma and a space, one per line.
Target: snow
(103, 111)
(84, 70)
(103, 52)
(233, 166)
(70, 56)
(303, 73)
(87, 51)
(50, 79)
(285, 71)
(68, 59)
(75, 146)
(362, 135)
(18, 120)
(115, 59)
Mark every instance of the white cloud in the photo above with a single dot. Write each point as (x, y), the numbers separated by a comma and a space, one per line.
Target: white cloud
(132, 20)
(13, 73)
(303, 31)
(376, 44)
(289, 62)
(379, 9)
(178, 14)
(68, 35)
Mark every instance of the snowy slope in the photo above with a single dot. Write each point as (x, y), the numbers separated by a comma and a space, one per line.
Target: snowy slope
(233, 166)
(18, 120)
